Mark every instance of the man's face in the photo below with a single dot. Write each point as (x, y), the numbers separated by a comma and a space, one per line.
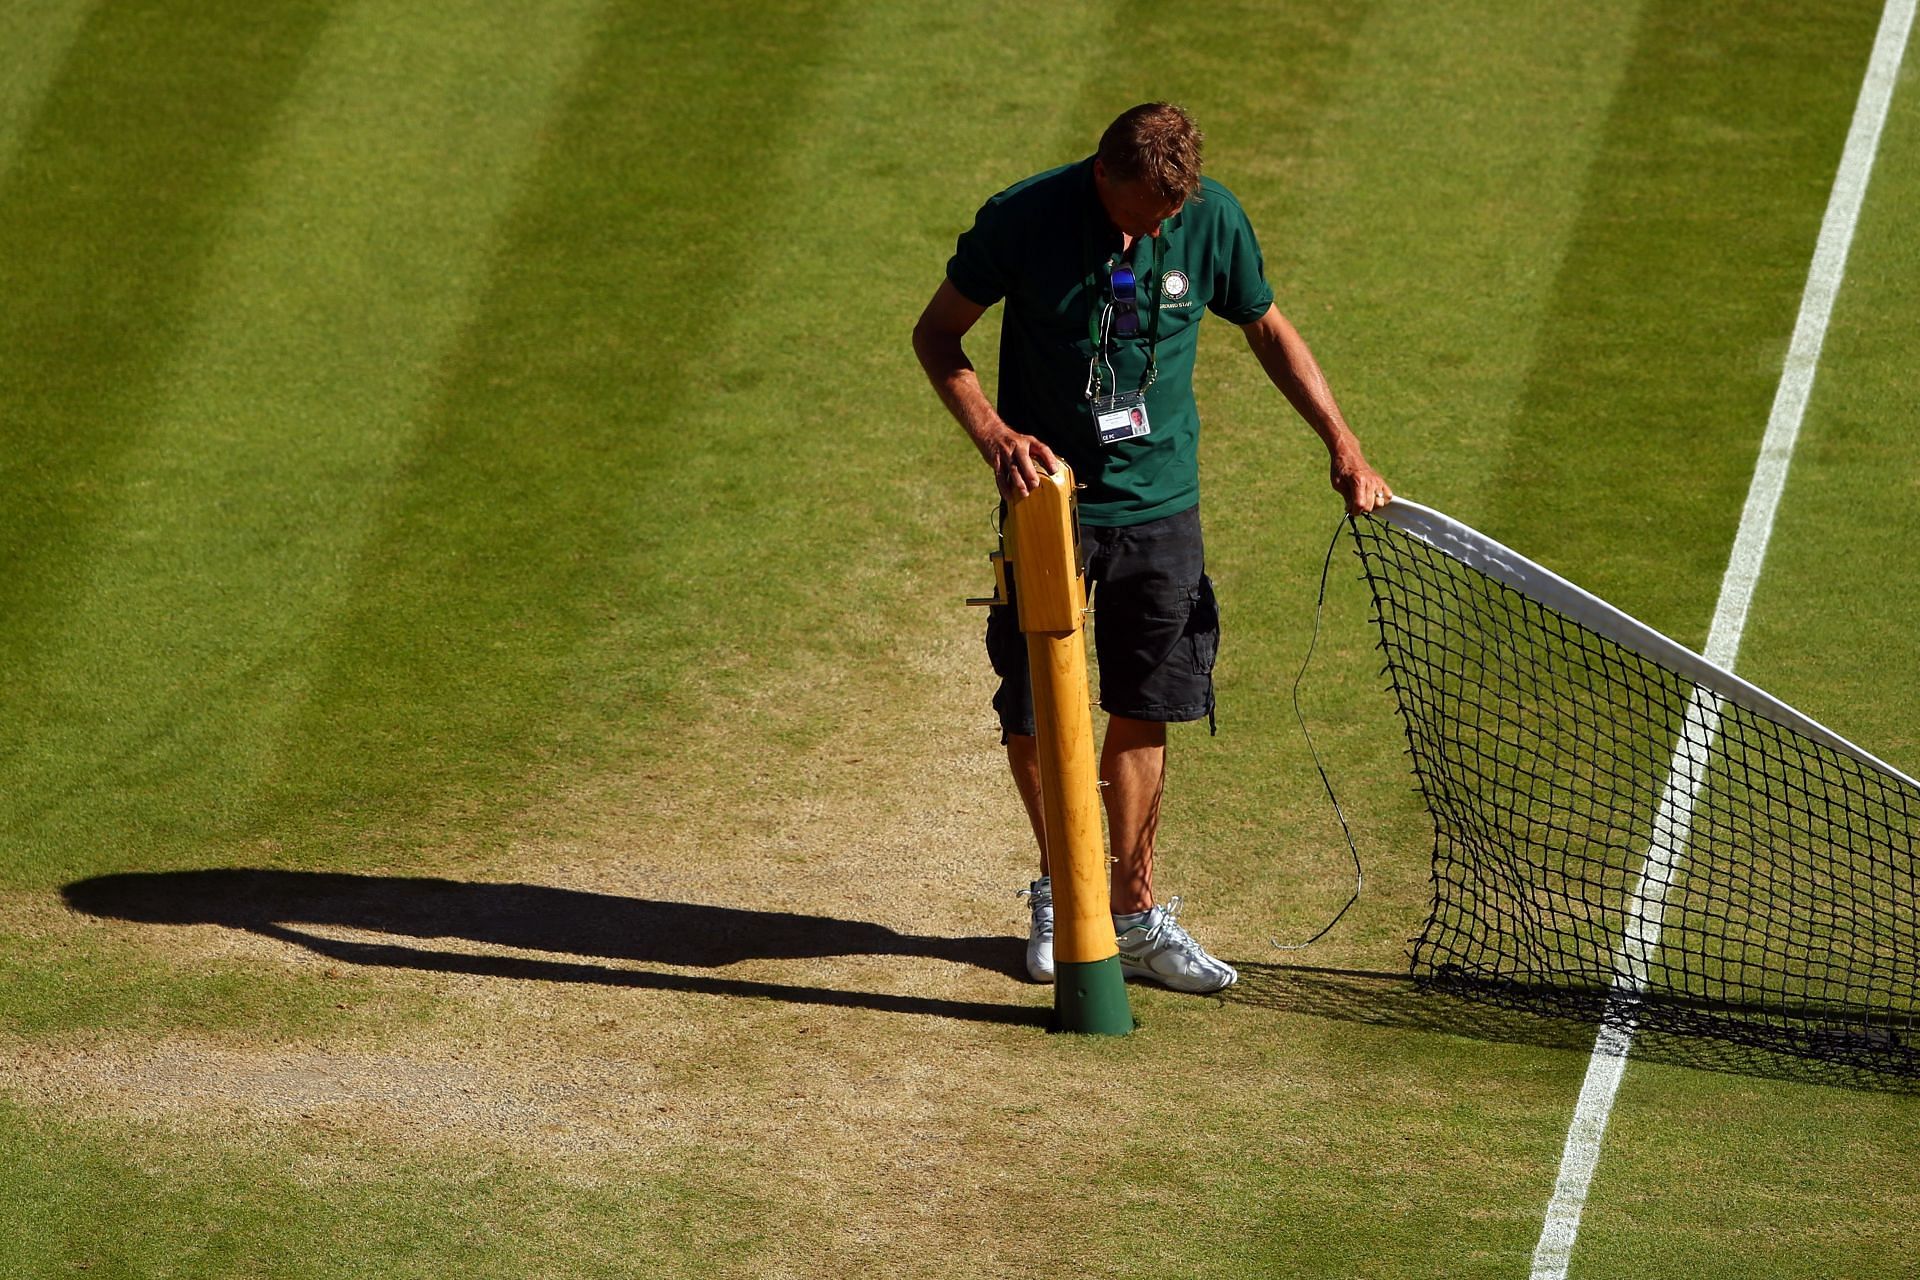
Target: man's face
(1134, 207)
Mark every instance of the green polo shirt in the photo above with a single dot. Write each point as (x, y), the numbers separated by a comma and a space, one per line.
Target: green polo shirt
(1044, 245)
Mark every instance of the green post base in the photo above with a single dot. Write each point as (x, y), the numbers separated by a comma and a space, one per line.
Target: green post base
(1091, 998)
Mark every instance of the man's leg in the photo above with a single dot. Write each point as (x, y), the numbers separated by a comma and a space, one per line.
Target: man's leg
(1013, 701)
(1023, 757)
(1133, 764)
(1157, 634)
(1152, 943)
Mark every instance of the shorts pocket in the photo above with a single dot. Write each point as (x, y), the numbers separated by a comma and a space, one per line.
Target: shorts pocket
(1203, 628)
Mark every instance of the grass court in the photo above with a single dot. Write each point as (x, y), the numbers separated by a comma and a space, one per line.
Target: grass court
(498, 778)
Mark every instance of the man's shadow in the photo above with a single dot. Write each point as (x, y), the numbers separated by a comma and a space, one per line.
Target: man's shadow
(287, 905)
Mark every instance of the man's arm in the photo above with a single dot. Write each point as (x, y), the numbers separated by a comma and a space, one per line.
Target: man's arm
(1284, 355)
(1016, 459)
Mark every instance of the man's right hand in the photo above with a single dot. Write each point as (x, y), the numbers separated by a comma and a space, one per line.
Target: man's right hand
(1018, 461)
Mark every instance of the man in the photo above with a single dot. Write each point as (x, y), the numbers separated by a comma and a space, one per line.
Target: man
(1105, 266)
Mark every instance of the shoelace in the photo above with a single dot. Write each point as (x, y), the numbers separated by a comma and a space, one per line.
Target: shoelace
(1167, 928)
(1039, 900)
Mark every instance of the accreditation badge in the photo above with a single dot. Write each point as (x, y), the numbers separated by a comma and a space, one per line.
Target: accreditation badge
(1121, 417)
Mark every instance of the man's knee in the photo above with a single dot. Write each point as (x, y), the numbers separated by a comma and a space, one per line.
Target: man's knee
(1125, 731)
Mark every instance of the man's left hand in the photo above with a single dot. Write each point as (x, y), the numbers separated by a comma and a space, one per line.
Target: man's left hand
(1361, 486)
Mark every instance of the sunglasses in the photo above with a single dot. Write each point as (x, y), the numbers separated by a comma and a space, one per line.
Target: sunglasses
(1126, 306)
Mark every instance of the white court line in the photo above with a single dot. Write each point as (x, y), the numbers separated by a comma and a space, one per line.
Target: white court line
(1675, 816)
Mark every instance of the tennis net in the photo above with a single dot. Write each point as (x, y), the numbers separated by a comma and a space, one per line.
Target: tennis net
(1619, 822)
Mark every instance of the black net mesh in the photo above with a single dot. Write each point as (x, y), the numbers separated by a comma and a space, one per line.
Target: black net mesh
(1612, 835)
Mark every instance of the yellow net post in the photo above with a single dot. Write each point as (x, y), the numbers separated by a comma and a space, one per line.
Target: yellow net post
(1041, 542)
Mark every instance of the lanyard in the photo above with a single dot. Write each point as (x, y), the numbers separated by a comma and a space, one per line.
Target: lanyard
(1100, 322)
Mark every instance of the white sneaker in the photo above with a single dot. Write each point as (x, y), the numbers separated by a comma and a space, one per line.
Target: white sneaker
(1039, 896)
(1158, 948)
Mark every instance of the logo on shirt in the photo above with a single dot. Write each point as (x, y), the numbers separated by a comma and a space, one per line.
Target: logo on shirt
(1175, 285)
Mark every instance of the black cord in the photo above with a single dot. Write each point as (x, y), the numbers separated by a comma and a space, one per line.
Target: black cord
(1359, 877)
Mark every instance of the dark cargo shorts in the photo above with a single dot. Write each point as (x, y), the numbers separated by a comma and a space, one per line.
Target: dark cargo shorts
(1156, 626)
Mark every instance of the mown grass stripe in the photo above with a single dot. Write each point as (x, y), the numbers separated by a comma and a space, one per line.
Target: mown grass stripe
(111, 208)
(1832, 624)
(132, 1199)
(326, 303)
(589, 467)
(34, 38)
(1809, 335)
(1445, 325)
(1633, 447)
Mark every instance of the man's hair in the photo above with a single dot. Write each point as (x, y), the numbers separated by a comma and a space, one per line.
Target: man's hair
(1156, 143)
